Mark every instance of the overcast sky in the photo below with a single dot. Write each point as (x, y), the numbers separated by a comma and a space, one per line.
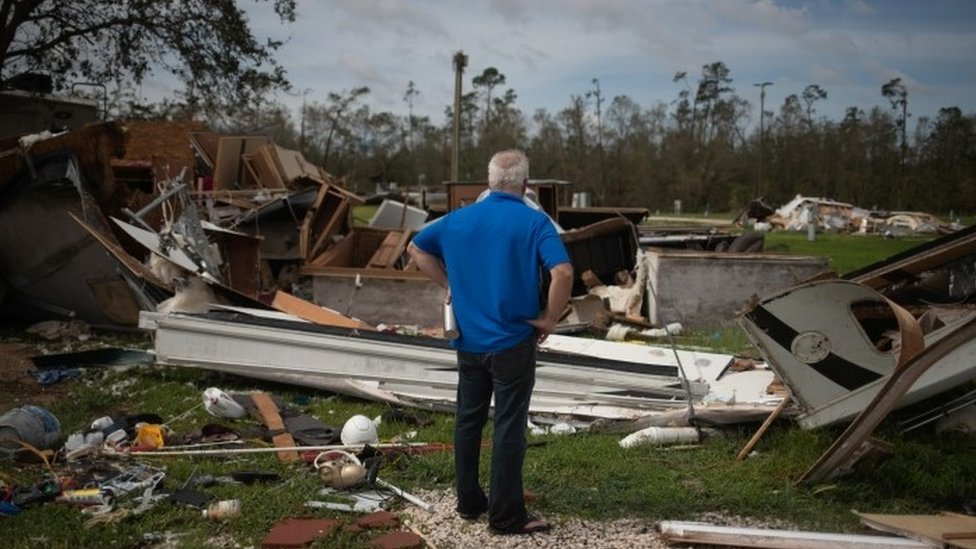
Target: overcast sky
(549, 50)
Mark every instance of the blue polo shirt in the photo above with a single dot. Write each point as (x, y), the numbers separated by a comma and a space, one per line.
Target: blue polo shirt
(492, 251)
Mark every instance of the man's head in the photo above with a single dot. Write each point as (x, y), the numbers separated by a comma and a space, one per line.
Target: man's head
(508, 171)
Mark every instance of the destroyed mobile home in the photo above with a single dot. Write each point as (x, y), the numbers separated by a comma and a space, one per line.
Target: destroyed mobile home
(802, 212)
(230, 230)
(231, 225)
(212, 214)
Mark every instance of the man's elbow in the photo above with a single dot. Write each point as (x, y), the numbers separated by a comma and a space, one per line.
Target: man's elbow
(563, 271)
(413, 250)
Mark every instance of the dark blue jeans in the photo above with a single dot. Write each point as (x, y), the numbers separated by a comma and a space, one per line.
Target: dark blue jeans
(510, 375)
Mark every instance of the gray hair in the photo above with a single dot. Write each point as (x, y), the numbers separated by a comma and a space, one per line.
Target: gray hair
(508, 170)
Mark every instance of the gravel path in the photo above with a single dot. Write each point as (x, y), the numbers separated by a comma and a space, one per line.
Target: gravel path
(445, 530)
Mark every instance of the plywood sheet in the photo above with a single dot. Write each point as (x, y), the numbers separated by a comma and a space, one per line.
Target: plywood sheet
(952, 529)
(390, 250)
(267, 169)
(229, 170)
(205, 144)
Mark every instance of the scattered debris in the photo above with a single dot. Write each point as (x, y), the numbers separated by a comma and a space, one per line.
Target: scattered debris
(830, 215)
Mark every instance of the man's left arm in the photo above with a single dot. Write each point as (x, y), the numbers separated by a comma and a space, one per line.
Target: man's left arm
(560, 286)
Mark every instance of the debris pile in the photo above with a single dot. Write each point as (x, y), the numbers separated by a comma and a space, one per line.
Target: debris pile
(829, 215)
(112, 470)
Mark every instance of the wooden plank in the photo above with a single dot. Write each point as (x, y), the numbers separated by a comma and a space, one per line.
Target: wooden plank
(326, 219)
(251, 174)
(389, 250)
(272, 420)
(909, 264)
(311, 312)
(267, 169)
(762, 429)
(933, 529)
(205, 144)
(707, 534)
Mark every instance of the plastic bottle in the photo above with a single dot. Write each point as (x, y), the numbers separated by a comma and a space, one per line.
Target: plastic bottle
(222, 510)
(31, 425)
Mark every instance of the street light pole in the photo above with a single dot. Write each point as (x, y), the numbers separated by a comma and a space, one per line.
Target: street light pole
(762, 132)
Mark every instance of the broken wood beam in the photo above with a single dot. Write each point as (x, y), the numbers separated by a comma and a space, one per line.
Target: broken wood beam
(311, 312)
(762, 429)
(272, 419)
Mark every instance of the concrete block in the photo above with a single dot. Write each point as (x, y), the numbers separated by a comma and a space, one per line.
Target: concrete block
(706, 289)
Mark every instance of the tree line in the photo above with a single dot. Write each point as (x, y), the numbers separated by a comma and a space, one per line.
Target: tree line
(701, 146)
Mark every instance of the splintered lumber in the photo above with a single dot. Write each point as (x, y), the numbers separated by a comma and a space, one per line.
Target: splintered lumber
(311, 312)
(272, 420)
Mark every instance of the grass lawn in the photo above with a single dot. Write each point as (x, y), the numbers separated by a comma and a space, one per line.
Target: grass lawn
(846, 251)
(587, 475)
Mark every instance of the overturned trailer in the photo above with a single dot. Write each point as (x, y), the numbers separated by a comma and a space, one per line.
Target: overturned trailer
(837, 343)
(584, 379)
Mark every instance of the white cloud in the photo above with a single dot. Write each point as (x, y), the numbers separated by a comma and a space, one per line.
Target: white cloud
(551, 49)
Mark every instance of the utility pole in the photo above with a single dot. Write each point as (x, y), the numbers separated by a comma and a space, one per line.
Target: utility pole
(460, 61)
(301, 135)
(762, 132)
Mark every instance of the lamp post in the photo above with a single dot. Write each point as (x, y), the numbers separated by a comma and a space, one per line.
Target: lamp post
(762, 131)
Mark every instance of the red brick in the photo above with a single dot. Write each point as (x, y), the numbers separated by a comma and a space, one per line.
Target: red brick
(399, 540)
(298, 532)
(379, 519)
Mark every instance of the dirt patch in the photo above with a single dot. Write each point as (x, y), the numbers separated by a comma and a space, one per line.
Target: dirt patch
(17, 383)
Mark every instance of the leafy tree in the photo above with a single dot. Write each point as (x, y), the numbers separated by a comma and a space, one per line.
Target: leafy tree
(812, 94)
(487, 81)
(949, 154)
(714, 83)
(409, 96)
(897, 95)
(333, 116)
(208, 45)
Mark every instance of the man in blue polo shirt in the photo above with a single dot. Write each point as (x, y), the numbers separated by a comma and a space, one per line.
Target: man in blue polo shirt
(488, 257)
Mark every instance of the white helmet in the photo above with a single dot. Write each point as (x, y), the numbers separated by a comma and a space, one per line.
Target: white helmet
(359, 429)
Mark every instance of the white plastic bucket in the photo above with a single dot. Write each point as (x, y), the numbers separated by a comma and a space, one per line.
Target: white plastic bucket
(220, 404)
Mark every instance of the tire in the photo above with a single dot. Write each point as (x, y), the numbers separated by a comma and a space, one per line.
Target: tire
(748, 242)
